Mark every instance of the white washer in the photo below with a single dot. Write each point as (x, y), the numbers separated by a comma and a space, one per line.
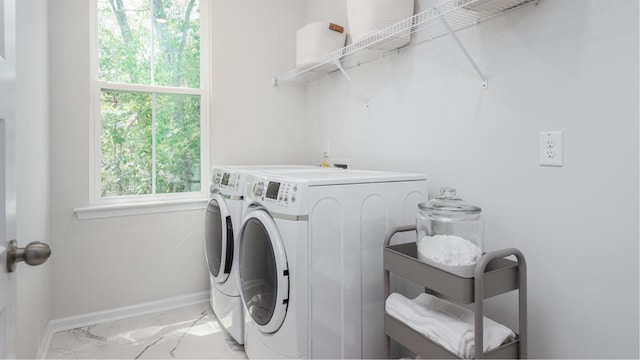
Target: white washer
(310, 259)
(222, 219)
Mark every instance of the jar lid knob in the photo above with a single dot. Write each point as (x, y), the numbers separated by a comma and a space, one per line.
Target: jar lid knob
(448, 192)
(448, 205)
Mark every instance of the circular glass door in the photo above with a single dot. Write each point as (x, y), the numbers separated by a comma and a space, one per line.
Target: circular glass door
(218, 234)
(263, 271)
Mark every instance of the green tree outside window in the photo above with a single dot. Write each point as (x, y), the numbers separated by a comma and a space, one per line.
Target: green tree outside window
(150, 129)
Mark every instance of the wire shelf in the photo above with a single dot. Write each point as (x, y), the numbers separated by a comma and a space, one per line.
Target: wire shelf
(423, 26)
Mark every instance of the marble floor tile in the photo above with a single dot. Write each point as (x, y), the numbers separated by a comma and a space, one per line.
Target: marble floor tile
(191, 332)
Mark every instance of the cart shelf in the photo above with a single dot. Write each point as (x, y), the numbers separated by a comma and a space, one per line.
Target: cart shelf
(426, 348)
(493, 275)
(499, 276)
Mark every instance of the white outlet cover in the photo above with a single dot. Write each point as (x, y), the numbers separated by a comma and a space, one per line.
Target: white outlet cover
(551, 148)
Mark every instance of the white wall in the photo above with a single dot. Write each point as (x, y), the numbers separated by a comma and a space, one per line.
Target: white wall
(561, 65)
(109, 263)
(252, 41)
(106, 263)
(32, 152)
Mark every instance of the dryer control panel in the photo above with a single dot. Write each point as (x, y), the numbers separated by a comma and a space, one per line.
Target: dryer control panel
(281, 192)
(275, 193)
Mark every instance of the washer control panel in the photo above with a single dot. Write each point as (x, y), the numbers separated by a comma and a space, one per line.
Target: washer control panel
(226, 181)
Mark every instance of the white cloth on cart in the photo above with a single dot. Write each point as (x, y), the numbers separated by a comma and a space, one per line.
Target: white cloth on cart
(445, 323)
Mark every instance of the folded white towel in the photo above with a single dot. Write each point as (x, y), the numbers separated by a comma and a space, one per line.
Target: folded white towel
(445, 323)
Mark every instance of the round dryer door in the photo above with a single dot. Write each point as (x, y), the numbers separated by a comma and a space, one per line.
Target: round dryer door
(218, 234)
(263, 271)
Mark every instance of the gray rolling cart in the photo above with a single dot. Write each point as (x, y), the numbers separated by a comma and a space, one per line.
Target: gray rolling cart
(494, 275)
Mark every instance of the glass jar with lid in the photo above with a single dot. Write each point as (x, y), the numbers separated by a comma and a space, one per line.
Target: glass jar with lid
(450, 233)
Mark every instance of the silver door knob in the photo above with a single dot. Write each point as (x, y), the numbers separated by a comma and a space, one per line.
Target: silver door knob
(35, 253)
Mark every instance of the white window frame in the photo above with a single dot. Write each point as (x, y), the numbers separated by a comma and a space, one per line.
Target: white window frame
(136, 204)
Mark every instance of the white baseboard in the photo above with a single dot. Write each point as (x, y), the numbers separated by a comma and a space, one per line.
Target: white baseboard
(117, 314)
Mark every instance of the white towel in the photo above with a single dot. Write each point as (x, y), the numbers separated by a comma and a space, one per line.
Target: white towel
(445, 323)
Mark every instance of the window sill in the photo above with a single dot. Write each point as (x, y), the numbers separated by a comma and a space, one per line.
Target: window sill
(152, 207)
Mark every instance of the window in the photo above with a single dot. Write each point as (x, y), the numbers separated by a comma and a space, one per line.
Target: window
(149, 99)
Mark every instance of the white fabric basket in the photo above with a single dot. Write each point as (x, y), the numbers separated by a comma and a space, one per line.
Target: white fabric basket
(367, 17)
(316, 40)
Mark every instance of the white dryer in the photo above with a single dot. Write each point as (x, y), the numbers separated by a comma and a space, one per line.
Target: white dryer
(222, 220)
(310, 259)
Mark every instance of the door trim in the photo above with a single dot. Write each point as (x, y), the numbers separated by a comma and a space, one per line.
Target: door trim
(227, 258)
(282, 268)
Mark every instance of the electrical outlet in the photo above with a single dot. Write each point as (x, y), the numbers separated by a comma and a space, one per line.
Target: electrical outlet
(551, 148)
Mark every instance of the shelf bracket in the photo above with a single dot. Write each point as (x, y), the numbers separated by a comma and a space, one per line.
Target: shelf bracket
(483, 77)
(359, 93)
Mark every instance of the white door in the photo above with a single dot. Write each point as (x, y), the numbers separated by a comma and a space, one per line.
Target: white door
(7, 172)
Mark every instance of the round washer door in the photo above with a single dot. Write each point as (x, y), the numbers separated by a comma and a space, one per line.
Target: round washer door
(263, 271)
(218, 235)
